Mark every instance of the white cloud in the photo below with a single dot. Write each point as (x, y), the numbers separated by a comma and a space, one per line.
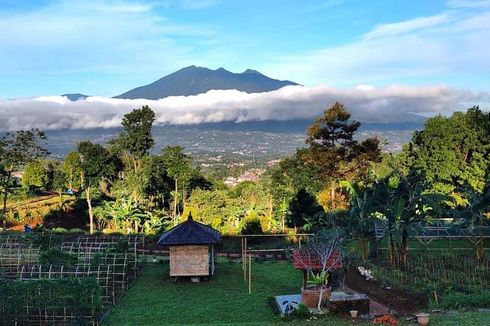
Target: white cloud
(98, 37)
(444, 48)
(367, 104)
(406, 26)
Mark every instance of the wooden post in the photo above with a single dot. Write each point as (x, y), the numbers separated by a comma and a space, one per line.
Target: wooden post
(212, 259)
(245, 260)
(249, 272)
(243, 256)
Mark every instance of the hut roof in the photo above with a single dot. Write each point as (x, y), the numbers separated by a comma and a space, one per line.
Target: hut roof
(189, 232)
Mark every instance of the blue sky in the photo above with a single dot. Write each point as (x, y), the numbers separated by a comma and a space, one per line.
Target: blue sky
(108, 47)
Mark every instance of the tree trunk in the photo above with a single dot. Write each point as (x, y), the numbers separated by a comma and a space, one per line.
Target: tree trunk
(403, 252)
(269, 225)
(183, 195)
(5, 197)
(480, 250)
(332, 195)
(391, 248)
(71, 179)
(175, 201)
(363, 245)
(90, 212)
(4, 209)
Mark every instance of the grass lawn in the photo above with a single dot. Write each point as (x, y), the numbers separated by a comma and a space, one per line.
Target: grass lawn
(224, 300)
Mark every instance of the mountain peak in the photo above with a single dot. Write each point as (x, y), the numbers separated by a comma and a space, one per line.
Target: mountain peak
(194, 80)
(251, 71)
(75, 96)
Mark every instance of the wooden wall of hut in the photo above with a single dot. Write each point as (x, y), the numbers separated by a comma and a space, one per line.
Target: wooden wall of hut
(192, 260)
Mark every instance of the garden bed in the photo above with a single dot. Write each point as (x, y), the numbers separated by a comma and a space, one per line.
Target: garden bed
(400, 301)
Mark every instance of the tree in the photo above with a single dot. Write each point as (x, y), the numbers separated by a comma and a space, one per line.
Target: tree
(361, 215)
(453, 153)
(286, 179)
(38, 175)
(323, 249)
(96, 165)
(179, 167)
(59, 182)
(334, 151)
(136, 137)
(16, 150)
(405, 203)
(474, 218)
(71, 167)
(302, 207)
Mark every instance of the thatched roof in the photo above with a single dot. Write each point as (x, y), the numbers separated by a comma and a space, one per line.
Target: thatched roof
(189, 232)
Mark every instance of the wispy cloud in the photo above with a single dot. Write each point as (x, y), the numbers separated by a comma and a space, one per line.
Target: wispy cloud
(450, 45)
(367, 104)
(117, 38)
(406, 26)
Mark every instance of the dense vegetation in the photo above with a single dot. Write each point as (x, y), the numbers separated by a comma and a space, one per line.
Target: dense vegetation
(335, 181)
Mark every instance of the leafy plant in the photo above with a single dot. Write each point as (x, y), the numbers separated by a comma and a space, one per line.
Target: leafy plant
(318, 279)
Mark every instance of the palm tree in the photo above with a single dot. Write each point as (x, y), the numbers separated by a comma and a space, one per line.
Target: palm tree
(361, 215)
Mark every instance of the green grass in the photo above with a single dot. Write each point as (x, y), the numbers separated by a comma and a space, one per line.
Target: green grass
(224, 300)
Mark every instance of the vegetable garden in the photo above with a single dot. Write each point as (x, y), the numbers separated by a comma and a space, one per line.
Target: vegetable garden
(55, 279)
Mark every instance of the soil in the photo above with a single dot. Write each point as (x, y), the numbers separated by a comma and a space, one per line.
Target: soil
(402, 302)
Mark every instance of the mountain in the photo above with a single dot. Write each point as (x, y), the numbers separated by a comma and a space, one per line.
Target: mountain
(75, 96)
(195, 80)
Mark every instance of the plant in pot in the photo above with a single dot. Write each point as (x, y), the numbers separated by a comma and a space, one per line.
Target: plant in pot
(317, 290)
(321, 253)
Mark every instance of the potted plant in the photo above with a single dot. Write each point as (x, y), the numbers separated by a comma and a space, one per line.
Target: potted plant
(322, 253)
(317, 292)
(422, 318)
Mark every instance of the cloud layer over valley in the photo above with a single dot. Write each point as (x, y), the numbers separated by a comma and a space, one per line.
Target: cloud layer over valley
(367, 103)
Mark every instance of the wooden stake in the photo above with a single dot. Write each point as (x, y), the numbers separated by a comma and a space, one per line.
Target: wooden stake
(249, 272)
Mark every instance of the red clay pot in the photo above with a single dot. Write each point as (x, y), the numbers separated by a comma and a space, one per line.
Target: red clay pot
(311, 295)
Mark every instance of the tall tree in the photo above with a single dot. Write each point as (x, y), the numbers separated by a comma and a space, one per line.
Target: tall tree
(16, 150)
(96, 165)
(334, 151)
(71, 167)
(136, 137)
(179, 167)
(453, 153)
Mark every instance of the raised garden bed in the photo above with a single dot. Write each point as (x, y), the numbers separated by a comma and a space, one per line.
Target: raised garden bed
(401, 302)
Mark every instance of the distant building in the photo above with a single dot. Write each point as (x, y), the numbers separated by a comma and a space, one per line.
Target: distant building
(251, 175)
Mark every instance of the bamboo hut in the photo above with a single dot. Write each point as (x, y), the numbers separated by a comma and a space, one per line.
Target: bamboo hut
(191, 247)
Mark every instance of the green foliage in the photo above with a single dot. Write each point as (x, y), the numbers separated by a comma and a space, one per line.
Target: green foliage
(96, 163)
(55, 256)
(72, 169)
(453, 153)
(252, 227)
(78, 295)
(302, 207)
(457, 300)
(334, 151)
(136, 137)
(318, 279)
(39, 174)
(16, 150)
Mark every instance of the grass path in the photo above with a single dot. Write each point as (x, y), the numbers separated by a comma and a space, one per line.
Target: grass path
(224, 300)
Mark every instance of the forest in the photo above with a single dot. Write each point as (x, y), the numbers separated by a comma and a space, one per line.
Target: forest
(335, 181)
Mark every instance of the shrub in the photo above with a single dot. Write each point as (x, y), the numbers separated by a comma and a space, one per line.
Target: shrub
(80, 296)
(252, 227)
(55, 256)
(455, 300)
